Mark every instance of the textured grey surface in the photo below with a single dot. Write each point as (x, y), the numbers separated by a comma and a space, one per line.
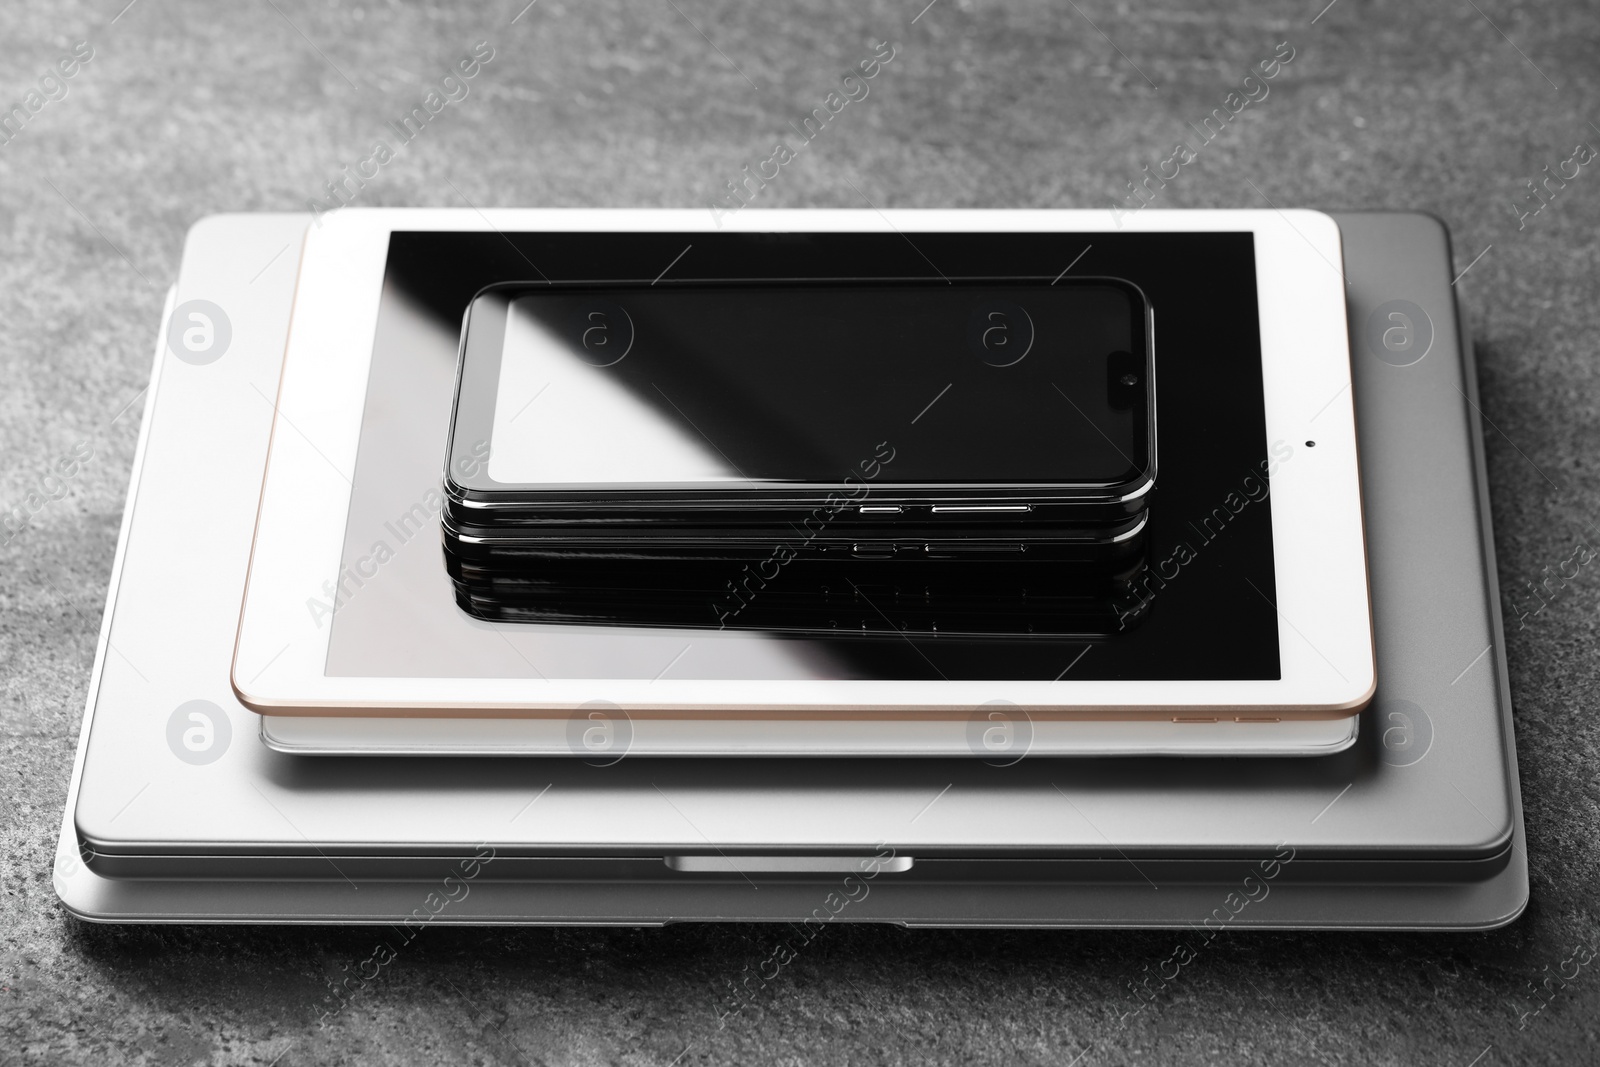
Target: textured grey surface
(189, 108)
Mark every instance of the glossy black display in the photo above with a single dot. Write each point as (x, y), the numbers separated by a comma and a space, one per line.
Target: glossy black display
(1204, 598)
(680, 383)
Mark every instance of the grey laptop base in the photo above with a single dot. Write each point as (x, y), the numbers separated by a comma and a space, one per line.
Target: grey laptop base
(1418, 826)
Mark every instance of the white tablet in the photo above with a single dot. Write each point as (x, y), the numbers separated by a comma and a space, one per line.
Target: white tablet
(1253, 606)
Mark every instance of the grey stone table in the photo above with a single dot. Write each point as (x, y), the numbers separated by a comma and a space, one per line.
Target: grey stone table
(177, 109)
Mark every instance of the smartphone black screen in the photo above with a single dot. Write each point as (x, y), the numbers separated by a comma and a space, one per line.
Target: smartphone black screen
(976, 382)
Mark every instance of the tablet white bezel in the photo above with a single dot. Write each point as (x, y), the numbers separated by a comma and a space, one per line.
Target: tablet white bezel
(1325, 630)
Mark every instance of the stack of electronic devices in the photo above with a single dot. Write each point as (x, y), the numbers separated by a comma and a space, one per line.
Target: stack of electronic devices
(638, 566)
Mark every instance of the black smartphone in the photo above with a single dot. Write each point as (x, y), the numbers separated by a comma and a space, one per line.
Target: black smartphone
(871, 407)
